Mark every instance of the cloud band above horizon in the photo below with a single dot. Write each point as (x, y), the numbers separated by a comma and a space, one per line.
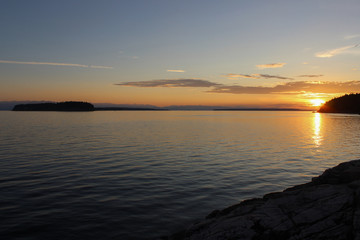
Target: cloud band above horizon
(294, 88)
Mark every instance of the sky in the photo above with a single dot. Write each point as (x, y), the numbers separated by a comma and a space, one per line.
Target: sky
(261, 53)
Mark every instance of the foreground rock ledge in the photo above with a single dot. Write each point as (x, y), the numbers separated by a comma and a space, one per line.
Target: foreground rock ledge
(328, 207)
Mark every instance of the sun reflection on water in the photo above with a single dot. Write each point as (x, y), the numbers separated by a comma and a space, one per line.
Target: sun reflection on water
(317, 129)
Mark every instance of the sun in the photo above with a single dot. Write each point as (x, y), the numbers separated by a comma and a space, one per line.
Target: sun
(317, 102)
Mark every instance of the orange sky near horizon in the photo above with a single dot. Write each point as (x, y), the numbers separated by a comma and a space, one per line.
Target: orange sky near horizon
(168, 96)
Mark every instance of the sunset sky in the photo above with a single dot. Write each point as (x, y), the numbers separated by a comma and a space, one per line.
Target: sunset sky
(257, 53)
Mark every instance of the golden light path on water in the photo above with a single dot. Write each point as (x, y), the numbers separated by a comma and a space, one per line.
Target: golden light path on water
(317, 137)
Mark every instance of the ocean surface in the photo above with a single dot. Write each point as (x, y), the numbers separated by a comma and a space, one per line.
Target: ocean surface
(141, 175)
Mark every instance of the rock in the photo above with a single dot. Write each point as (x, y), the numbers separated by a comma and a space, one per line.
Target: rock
(328, 207)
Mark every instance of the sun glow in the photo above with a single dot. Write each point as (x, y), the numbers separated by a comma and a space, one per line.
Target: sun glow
(317, 102)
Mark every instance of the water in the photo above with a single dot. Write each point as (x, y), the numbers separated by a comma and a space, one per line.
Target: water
(140, 175)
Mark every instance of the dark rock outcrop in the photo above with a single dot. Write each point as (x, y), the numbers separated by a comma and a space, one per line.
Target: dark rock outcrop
(61, 106)
(328, 207)
(349, 103)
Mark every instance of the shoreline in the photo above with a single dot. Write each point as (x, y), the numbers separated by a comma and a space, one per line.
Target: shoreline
(327, 207)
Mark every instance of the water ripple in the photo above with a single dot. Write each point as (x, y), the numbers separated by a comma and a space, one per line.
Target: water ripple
(138, 175)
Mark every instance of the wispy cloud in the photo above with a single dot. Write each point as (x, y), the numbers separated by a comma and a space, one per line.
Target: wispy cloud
(176, 71)
(233, 76)
(170, 83)
(102, 67)
(270, 65)
(348, 37)
(333, 52)
(55, 64)
(292, 88)
(311, 76)
(267, 76)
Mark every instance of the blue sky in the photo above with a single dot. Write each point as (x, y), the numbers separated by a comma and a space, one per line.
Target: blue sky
(166, 52)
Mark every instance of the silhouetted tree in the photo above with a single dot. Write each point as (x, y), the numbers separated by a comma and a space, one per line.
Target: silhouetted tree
(349, 103)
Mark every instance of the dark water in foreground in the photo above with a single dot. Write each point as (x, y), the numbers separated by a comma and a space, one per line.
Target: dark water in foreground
(139, 175)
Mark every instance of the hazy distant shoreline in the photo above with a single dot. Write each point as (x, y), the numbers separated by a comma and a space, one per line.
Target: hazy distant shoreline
(160, 110)
(9, 105)
(74, 106)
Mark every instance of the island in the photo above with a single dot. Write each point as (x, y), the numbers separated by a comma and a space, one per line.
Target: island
(73, 106)
(327, 207)
(349, 103)
(70, 106)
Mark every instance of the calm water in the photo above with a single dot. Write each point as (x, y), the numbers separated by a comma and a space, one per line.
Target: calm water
(140, 175)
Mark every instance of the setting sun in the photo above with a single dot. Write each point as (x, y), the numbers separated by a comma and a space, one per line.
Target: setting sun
(317, 102)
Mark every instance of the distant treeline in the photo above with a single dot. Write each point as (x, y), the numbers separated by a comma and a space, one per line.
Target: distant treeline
(349, 103)
(61, 106)
(72, 106)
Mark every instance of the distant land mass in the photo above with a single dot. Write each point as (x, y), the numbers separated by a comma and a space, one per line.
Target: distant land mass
(10, 105)
(61, 106)
(115, 106)
(73, 106)
(257, 109)
(349, 103)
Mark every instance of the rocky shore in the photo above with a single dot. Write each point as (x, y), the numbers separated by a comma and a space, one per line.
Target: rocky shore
(328, 207)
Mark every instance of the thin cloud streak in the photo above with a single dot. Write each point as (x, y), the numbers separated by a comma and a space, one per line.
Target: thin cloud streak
(170, 83)
(267, 76)
(55, 64)
(333, 52)
(270, 65)
(100, 67)
(175, 71)
(311, 76)
(233, 76)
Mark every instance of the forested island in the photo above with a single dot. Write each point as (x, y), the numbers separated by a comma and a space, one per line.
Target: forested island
(349, 103)
(70, 106)
(73, 106)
